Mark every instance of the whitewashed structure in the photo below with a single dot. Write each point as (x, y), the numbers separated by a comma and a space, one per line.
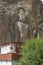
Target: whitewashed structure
(7, 49)
(8, 63)
(9, 53)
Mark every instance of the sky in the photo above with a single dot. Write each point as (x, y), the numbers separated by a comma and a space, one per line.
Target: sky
(42, 1)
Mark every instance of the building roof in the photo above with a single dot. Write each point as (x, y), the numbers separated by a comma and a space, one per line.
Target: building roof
(15, 44)
(9, 57)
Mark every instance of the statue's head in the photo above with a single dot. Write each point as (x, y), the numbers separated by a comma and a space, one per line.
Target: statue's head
(21, 14)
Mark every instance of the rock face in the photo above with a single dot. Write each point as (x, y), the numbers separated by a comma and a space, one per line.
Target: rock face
(8, 17)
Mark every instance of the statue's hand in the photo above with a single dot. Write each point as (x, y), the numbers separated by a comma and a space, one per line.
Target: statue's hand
(21, 35)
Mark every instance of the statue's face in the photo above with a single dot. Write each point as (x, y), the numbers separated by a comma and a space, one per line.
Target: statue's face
(21, 15)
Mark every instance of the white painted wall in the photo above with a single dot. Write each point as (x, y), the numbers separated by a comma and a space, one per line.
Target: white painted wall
(8, 63)
(5, 63)
(7, 49)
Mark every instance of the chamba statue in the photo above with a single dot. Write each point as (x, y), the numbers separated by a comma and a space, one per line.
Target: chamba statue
(22, 26)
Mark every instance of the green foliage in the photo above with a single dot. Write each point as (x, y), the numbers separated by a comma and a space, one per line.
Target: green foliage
(32, 52)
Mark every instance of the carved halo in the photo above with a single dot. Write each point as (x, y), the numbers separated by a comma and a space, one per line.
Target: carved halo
(20, 8)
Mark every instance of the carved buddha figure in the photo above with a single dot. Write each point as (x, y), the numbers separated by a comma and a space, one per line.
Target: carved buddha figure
(22, 27)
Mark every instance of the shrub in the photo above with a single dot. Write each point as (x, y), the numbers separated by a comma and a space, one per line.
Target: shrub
(32, 52)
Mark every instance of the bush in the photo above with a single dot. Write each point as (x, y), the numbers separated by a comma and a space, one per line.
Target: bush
(32, 52)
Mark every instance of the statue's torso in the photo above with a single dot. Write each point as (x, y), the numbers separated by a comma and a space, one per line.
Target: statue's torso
(23, 30)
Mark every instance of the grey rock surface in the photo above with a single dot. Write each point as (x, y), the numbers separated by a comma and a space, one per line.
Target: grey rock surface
(8, 17)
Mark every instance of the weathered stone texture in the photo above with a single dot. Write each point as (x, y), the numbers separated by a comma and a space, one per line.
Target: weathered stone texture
(8, 11)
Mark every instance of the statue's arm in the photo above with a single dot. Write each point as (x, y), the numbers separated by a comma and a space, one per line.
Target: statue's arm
(30, 31)
(11, 28)
(17, 35)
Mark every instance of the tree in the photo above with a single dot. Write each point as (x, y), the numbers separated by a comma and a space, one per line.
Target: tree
(32, 52)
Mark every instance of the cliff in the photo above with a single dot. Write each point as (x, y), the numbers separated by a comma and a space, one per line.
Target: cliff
(7, 16)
